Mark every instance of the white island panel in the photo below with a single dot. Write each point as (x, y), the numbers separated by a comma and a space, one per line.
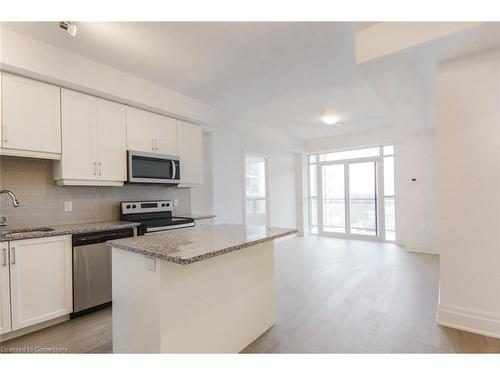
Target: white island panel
(218, 305)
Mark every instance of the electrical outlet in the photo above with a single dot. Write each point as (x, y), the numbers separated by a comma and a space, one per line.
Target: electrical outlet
(176, 202)
(68, 206)
(150, 264)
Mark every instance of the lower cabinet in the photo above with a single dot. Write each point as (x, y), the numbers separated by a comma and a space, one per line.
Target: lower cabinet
(40, 280)
(5, 323)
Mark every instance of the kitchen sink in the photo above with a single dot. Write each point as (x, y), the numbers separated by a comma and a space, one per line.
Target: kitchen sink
(27, 230)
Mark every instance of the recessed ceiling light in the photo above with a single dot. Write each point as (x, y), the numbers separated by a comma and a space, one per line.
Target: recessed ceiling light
(330, 118)
(69, 27)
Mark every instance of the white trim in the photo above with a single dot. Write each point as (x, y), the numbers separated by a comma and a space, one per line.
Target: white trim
(30, 154)
(74, 182)
(469, 320)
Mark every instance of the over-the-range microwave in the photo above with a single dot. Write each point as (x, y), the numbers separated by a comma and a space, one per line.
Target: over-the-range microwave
(150, 168)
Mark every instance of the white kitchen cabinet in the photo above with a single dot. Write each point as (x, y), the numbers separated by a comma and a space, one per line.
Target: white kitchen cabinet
(111, 151)
(190, 151)
(150, 132)
(31, 120)
(93, 141)
(163, 132)
(41, 280)
(5, 323)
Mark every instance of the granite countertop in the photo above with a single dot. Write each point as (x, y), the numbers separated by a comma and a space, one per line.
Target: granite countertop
(195, 244)
(197, 216)
(59, 230)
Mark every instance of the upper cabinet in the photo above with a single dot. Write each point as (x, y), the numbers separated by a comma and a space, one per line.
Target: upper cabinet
(151, 132)
(31, 122)
(190, 152)
(93, 141)
(89, 136)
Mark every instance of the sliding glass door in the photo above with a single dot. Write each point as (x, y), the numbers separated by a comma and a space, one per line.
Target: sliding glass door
(333, 198)
(363, 198)
(347, 196)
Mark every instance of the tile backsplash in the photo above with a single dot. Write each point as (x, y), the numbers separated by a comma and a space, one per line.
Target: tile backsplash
(42, 201)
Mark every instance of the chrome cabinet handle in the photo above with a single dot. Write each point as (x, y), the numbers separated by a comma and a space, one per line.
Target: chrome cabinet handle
(13, 254)
(4, 256)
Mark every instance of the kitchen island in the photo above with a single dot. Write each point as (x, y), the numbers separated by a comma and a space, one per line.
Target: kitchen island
(197, 290)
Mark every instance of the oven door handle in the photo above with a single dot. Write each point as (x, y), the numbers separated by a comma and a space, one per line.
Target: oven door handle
(169, 227)
(174, 170)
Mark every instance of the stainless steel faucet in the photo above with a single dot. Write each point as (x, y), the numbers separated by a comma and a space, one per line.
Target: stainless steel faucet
(15, 203)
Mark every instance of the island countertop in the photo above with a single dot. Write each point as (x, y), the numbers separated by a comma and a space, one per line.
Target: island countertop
(187, 246)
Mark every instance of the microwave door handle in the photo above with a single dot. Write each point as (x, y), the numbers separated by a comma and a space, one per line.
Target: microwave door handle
(174, 170)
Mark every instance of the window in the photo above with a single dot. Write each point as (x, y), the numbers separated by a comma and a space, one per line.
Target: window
(351, 193)
(255, 191)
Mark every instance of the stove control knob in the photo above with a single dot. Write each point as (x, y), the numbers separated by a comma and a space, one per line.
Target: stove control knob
(163, 204)
(128, 205)
(134, 206)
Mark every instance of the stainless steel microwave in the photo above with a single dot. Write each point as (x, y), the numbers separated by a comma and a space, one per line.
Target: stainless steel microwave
(150, 168)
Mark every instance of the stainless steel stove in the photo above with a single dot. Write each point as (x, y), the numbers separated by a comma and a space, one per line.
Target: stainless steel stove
(153, 216)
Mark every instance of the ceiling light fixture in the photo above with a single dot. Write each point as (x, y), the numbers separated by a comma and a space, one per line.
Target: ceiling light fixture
(69, 27)
(330, 118)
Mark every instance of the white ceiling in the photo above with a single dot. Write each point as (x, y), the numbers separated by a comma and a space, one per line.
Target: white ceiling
(279, 76)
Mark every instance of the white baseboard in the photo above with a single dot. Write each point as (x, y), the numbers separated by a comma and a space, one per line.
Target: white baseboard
(469, 320)
(421, 249)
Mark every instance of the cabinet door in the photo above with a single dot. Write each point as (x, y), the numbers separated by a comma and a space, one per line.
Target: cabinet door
(111, 141)
(30, 115)
(78, 136)
(138, 130)
(41, 280)
(190, 151)
(5, 325)
(163, 131)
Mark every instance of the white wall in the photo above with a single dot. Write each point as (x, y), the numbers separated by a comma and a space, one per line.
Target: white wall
(416, 206)
(468, 144)
(416, 212)
(229, 150)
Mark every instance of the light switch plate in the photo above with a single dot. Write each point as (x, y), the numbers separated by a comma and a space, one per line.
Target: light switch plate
(68, 206)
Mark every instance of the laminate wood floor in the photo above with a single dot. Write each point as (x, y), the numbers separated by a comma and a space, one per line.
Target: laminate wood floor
(333, 296)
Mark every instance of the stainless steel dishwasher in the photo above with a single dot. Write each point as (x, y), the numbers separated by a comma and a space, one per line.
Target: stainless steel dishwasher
(92, 270)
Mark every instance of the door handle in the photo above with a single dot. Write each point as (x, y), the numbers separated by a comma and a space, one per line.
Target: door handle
(4, 256)
(13, 254)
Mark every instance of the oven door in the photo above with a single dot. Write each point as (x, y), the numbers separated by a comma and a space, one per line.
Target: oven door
(144, 167)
